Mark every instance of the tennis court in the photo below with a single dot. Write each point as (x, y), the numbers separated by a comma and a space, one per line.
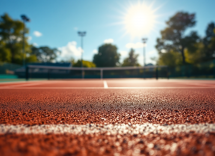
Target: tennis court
(107, 117)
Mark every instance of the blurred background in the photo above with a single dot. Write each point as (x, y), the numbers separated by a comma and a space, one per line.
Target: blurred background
(107, 39)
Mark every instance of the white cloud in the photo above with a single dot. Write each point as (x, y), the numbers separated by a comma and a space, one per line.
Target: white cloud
(76, 28)
(108, 41)
(35, 44)
(95, 51)
(135, 45)
(151, 52)
(70, 50)
(37, 33)
(123, 53)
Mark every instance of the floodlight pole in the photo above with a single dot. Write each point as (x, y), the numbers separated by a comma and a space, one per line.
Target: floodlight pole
(24, 19)
(23, 43)
(82, 34)
(144, 51)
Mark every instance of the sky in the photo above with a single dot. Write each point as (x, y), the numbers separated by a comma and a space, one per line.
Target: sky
(55, 23)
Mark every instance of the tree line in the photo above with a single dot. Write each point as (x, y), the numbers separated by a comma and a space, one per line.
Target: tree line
(11, 49)
(11, 44)
(180, 46)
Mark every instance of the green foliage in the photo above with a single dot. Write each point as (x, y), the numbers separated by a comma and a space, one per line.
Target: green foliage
(209, 42)
(173, 37)
(170, 58)
(72, 60)
(131, 60)
(11, 44)
(5, 55)
(45, 54)
(107, 56)
(31, 58)
(87, 64)
(195, 55)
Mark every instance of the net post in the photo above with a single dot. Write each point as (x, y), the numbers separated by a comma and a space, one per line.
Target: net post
(101, 73)
(26, 72)
(188, 72)
(48, 74)
(167, 72)
(82, 73)
(144, 73)
(156, 73)
(214, 68)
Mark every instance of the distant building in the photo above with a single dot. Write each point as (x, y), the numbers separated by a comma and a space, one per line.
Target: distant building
(149, 64)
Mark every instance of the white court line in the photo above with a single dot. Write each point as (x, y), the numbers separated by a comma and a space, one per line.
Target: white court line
(108, 129)
(105, 84)
(21, 81)
(194, 83)
(22, 85)
(107, 88)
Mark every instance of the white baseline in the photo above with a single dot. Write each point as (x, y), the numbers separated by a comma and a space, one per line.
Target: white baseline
(108, 129)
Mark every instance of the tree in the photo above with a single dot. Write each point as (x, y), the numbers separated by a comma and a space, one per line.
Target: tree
(72, 60)
(173, 37)
(196, 55)
(131, 60)
(5, 54)
(11, 35)
(209, 42)
(169, 58)
(107, 56)
(87, 64)
(45, 53)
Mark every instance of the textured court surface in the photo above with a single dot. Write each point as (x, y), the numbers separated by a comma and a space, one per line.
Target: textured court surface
(108, 117)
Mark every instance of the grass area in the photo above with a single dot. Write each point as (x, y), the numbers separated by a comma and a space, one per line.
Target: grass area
(19, 80)
(11, 80)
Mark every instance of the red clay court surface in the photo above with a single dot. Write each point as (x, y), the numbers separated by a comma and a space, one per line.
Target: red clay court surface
(108, 117)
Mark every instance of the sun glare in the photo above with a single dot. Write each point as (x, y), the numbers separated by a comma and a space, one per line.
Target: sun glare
(139, 20)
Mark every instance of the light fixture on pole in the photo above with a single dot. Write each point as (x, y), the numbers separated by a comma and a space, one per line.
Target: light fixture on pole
(144, 51)
(24, 19)
(82, 34)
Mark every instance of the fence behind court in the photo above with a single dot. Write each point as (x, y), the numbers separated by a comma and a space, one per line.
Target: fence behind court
(201, 70)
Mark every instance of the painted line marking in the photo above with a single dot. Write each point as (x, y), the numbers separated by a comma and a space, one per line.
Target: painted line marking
(23, 85)
(107, 88)
(108, 129)
(194, 83)
(105, 84)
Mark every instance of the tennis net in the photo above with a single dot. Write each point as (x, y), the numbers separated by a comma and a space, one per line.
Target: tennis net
(50, 72)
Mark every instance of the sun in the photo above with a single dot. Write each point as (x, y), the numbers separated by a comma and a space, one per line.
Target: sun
(139, 20)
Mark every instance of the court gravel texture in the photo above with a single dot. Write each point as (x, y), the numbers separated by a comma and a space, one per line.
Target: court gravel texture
(107, 117)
